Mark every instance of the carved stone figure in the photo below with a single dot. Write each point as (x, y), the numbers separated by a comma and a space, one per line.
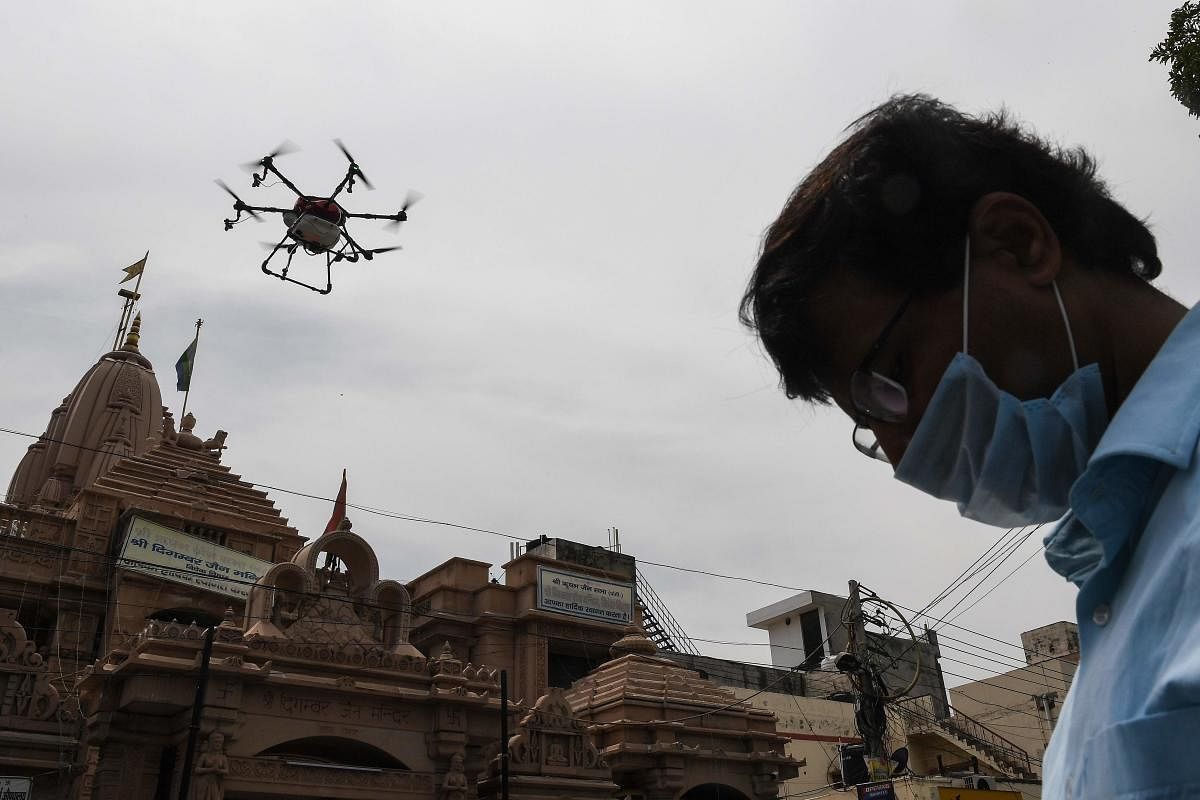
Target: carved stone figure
(556, 754)
(186, 438)
(211, 769)
(168, 428)
(454, 786)
(551, 736)
(217, 442)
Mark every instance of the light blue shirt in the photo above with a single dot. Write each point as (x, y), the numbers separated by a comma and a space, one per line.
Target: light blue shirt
(1130, 726)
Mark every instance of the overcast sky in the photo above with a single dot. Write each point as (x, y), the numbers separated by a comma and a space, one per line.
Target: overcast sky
(556, 349)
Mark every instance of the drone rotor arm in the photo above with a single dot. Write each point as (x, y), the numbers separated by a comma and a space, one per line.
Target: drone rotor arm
(269, 167)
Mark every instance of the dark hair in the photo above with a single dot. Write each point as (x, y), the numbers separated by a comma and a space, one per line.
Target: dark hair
(891, 202)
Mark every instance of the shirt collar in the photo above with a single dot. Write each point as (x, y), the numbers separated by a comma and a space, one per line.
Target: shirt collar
(1157, 426)
(1160, 419)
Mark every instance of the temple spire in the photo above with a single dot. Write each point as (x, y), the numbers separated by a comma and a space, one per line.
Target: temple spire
(130, 297)
(135, 335)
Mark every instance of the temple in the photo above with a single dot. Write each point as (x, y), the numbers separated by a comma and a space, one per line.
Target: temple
(164, 632)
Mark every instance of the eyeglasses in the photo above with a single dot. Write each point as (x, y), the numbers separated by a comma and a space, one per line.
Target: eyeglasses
(876, 396)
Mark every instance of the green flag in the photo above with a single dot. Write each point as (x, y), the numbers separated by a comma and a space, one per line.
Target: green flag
(183, 367)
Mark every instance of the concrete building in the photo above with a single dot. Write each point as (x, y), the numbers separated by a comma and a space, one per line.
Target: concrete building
(1023, 703)
(807, 627)
(982, 728)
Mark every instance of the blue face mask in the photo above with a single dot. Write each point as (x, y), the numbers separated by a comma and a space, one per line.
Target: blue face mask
(1005, 461)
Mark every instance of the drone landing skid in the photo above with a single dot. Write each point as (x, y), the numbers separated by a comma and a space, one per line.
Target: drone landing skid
(283, 274)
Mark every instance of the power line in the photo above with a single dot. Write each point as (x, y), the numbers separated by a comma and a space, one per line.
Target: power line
(444, 523)
(1002, 580)
(1011, 550)
(963, 576)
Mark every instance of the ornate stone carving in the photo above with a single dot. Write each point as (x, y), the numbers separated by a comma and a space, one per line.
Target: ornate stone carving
(185, 438)
(169, 434)
(334, 621)
(551, 736)
(217, 442)
(128, 389)
(211, 769)
(25, 688)
(454, 785)
(274, 771)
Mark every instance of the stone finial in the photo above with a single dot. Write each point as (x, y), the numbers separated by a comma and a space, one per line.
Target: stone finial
(447, 652)
(634, 642)
(135, 334)
(345, 525)
(188, 423)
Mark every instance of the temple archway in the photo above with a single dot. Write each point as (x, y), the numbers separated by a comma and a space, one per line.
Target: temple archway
(713, 791)
(334, 751)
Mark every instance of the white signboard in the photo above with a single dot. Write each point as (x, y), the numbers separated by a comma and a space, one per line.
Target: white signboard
(156, 550)
(15, 788)
(585, 596)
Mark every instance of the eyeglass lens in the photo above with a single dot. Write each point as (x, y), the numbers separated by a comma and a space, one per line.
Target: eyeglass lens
(866, 443)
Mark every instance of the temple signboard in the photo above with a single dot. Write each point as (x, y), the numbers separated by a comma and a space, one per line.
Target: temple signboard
(584, 596)
(172, 555)
(15, 788)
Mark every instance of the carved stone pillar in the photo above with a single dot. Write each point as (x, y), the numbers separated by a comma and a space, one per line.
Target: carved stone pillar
(119, 772)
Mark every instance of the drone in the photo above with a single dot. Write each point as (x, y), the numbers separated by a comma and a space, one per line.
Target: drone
(316, 225)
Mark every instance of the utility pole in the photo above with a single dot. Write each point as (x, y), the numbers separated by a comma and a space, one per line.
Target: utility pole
(185, 780)
(870, 713)
(503, 734)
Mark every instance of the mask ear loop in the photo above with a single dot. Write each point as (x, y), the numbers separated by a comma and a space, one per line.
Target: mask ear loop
(966, 292)
(1070, 337)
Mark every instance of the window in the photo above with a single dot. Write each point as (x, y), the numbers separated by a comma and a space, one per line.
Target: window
(814, 642)
(214, 535)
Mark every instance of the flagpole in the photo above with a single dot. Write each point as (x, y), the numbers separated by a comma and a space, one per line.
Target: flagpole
(195, 341)
(130, 300)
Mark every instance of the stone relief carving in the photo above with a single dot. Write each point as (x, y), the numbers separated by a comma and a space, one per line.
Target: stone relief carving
(551, 736)
(274, 771)
(454, 785)
(25, 688)
(336, 611)
(334, 621)
(128, 389)
(211, 769)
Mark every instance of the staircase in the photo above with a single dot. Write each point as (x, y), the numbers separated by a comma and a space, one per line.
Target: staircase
(658, 623)
(969, 734)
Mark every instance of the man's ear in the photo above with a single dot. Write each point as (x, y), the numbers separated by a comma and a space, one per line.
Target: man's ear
(1010, 230)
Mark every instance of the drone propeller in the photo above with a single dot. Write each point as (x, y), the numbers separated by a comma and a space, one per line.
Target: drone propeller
(410, 199)
(283, 149)
(239, 204)
(369, 254)
(277, 245)
(353, 164)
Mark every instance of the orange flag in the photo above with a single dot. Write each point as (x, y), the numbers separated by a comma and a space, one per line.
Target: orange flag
(339, 507)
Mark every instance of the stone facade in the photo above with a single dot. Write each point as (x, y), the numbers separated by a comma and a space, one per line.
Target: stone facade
(327, 680)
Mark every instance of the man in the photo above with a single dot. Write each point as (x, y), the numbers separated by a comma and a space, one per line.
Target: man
(980, 307)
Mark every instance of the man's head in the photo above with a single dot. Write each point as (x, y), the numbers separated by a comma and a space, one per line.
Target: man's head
(885, 218)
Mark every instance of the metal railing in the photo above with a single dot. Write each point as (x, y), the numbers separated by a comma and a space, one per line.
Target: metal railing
(660, 625)
(918, 714)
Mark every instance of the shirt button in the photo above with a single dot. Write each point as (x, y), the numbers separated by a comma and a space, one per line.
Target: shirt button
(1101, 614)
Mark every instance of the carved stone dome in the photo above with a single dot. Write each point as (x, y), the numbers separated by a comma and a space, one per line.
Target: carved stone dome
(113, 412)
